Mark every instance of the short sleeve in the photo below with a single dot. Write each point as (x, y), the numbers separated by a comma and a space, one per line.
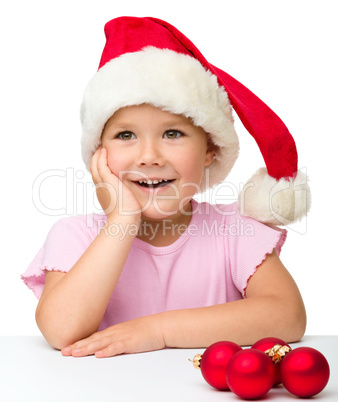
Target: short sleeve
(249, 242)
(64, 245)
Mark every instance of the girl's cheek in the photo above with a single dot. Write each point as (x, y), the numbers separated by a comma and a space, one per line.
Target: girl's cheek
(115, 162)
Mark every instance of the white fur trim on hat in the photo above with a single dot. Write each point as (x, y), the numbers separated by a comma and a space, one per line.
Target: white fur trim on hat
(171, 81)
(275, 202)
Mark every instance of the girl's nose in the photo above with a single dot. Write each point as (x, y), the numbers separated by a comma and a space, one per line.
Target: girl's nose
(149, 155)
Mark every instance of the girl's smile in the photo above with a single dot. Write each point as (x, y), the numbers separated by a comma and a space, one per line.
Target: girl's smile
(159, 156)
(153, 184)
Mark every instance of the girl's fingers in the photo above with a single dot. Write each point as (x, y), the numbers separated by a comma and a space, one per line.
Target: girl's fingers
(106, 183)
(100, 344)
(99, 167)
(77, 345)
(113, 349)
(93, 166)
(101, 347)
(90, 348)
(83, 343)
(102, 165)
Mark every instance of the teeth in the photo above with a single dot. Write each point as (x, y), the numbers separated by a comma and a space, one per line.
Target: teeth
(152, 181)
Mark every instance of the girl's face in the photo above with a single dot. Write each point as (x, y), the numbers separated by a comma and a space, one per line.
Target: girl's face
(158, 155)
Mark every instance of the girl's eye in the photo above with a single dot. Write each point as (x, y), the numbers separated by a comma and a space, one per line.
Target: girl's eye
(126, 135)
(172, 134)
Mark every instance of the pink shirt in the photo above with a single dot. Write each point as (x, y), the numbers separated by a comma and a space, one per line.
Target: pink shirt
(209, 264)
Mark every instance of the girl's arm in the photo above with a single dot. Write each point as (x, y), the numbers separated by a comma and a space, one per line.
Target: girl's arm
(273, 307)
(72, 304)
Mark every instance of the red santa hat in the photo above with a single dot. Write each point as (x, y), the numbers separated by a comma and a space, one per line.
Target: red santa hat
(147, 60)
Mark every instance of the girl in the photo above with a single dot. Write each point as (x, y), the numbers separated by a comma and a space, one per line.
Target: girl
(158, 269)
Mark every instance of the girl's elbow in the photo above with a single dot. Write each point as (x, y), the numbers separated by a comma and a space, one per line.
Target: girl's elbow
(55, 334)
(297, 325)
(58, 339)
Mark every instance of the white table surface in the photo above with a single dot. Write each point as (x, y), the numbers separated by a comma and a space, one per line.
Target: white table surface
(30, 370)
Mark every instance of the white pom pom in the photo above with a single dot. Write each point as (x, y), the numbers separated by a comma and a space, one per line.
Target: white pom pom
(275, 202)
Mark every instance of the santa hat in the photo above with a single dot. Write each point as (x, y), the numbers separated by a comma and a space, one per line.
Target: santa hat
(147, 60)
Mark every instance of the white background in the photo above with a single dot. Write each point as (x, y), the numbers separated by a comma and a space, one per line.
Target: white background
(284, 51)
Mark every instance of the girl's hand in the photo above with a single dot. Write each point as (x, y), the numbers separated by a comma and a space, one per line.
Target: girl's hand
(112, 194)
(139, 335)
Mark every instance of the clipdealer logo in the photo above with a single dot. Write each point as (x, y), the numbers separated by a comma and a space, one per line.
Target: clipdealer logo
(67, 192)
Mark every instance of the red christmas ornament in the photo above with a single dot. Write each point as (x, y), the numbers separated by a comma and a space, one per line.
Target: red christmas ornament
(250, 374)
(265, 345)
(305, 372)
(214, 361)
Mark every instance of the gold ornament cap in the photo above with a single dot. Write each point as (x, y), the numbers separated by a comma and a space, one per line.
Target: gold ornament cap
(278, 352)
(196, 361)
